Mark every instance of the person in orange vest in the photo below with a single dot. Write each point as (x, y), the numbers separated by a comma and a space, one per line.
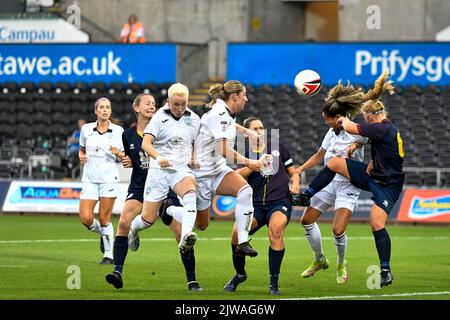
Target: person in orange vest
(132, 31)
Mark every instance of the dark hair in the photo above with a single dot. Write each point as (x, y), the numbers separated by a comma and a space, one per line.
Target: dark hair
(247, 122)
(343, 100)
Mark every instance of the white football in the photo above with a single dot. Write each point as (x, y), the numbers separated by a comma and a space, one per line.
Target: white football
(307, 82)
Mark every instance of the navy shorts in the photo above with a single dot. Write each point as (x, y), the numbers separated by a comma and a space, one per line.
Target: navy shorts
(262, 213)
(384, 195)
(135, 194)
(138, 194)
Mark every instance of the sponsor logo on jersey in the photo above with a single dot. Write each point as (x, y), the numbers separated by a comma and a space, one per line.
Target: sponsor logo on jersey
(132, 146)
(222, 113)
(165, 120)
(224, 125)
(386, 203)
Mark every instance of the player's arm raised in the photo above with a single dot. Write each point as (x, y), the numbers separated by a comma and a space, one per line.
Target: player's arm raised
(348, 125)
(313, 161)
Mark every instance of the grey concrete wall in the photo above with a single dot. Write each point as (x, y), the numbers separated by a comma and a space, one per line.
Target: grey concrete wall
(214, 22)
(277, 21)
(401, 20)
(192, 64)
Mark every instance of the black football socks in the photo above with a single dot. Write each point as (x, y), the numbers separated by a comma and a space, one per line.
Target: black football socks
(383, 243)
(188, 259)
(120, 252)
(323, 178)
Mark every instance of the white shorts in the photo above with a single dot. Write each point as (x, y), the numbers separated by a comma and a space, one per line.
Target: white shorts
(338, 194)
(159, 181)
(206, 188)
(95, 191)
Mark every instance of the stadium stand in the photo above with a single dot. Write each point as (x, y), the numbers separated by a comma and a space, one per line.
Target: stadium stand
(36, 119)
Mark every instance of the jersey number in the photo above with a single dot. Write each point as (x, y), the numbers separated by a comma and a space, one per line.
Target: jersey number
(401, 151)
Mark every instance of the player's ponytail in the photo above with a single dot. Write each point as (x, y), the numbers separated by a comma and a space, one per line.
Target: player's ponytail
(373, 104)
(215, 92)
(224, 91)
(343, 100)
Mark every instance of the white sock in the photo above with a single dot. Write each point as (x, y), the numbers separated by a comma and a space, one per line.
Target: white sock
(341, 246)
(139, 224)
(244, 212)
(96, 227)
(314, 237)
(108, 239)
(189, 213)
(176, 213)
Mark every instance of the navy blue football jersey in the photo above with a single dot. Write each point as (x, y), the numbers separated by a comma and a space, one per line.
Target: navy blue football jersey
(272, 188)
(386, 150)
(132, 141)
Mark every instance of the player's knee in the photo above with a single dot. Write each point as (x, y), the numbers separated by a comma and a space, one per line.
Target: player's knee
(245, 193)
(275, 233)
(103, 221)
(123, 226)
(306, 220)
(87, 222)
(377, 225)
(332, 164)
(337, 231)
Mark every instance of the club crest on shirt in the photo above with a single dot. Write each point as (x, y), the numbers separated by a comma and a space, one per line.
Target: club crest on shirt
(188, 122)
(224, 125)
(275, 153)
(131, 146)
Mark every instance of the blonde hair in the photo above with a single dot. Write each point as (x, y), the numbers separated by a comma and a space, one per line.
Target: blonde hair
(224, 91)
(343, 100)
(373, 105)
(178, 89)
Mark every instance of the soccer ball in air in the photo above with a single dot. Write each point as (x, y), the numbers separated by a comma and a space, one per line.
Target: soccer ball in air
(307, 82)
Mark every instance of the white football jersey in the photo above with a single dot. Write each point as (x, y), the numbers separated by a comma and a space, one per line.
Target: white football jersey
(216, 124)
(336, 145)
(101, 166)
(173, 138)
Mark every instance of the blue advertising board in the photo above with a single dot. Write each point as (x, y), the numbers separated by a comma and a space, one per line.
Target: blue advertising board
(359, 63)
(88, 63)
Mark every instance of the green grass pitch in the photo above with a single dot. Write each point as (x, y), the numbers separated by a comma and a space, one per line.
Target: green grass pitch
(38, 269)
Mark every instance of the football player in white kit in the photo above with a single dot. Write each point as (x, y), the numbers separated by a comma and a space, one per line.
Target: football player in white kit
(340, 194)
(100, 147)
(213, 146)
(168, 140)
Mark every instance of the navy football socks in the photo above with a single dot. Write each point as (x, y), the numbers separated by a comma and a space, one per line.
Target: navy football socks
(120, 252)
(238, 261)
(188, 259)
(323, 178)
(275, 259)
(383, 243)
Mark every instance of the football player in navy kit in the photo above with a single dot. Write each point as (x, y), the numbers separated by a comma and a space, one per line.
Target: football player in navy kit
(383, 176)
(271, 202)
(144, 108)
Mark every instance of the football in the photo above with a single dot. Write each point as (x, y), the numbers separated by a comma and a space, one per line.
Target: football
(307, 82)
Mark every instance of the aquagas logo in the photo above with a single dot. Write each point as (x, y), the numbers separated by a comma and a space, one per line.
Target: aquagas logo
(224, 205)
(424, 208)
